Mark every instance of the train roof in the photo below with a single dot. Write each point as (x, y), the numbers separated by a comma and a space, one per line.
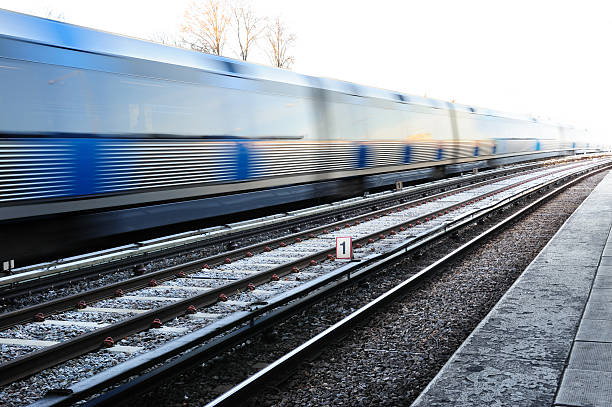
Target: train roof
(59, 34)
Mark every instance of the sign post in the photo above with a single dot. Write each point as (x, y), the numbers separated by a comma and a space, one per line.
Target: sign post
(344, 248)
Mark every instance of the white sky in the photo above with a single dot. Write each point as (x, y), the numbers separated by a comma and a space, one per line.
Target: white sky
(551, 59)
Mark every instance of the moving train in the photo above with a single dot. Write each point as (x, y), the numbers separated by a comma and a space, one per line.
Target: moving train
(102, 134)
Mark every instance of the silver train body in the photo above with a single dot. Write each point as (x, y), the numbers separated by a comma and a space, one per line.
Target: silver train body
(91, 121)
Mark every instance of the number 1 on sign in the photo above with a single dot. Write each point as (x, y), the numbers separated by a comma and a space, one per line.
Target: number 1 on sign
(344, 248)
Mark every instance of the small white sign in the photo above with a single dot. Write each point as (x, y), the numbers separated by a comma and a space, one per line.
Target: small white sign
(344, 248)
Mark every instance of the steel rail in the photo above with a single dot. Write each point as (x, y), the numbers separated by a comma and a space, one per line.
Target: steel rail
(284, 365)
(24, 315)
(27, 282)
(36, 361)
(342, 276)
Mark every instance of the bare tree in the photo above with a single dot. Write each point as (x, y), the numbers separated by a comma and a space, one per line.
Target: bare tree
(48, 12)
(205, 25)
(55, 15)
(280, 40)
(168, 39)
(247, 26)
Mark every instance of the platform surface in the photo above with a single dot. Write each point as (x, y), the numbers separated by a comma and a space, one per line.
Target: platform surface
(548, 341)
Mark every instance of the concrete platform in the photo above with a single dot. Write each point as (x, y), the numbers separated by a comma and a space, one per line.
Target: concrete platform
(548, 341)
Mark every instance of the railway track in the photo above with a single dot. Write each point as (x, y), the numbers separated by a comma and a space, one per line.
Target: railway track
(122, 262)
(353, 333)
(195, 302)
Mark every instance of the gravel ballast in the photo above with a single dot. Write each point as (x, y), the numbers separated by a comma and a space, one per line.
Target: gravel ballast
(393, 356)
(206, 250)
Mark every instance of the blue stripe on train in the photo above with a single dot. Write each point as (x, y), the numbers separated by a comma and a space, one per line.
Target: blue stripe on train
(476, 151)
(85, 161)
(242, 167)
(440, 154)
(407, 154)
(363, 156)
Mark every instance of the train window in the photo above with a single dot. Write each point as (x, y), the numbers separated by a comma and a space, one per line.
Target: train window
(386, 124)
(372, 119)
(55, 98)
(346, 121)
(275, 116)
(92, 102)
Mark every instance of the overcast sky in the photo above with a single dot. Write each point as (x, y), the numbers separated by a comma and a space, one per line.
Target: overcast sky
(550, 59)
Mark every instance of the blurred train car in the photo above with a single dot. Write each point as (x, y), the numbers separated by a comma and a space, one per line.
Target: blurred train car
(103, 135)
